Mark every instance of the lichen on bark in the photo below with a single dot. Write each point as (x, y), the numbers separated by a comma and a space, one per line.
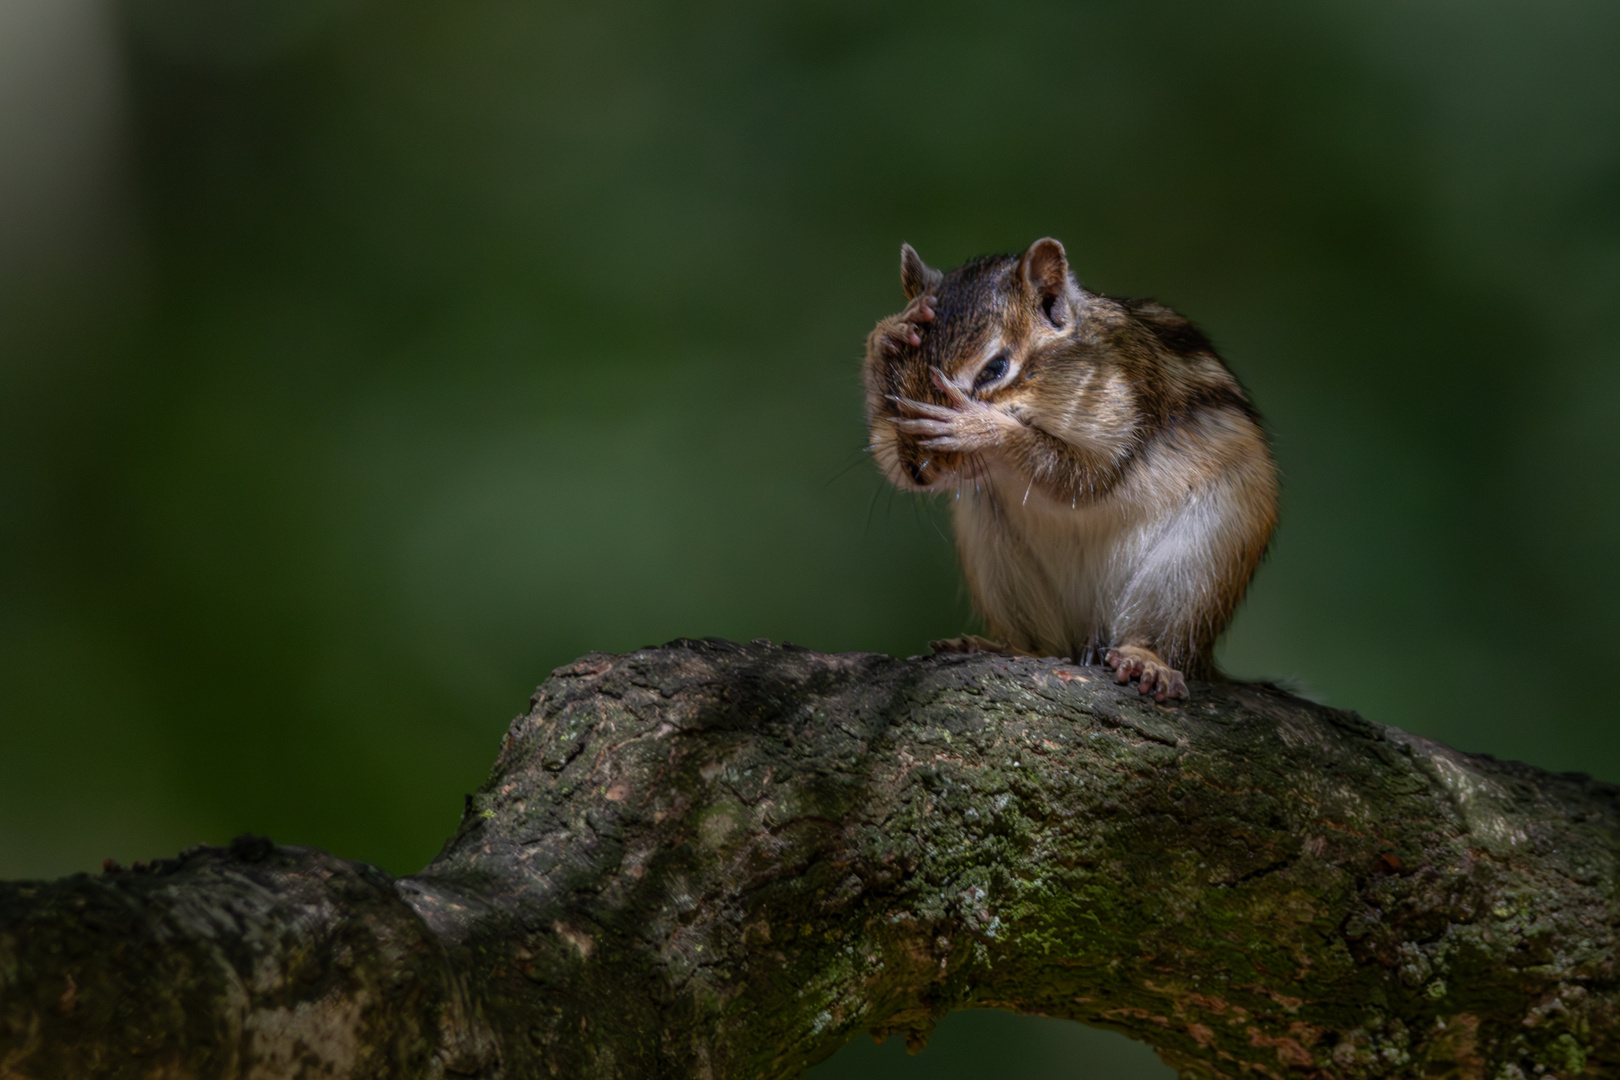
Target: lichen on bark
(722, 860)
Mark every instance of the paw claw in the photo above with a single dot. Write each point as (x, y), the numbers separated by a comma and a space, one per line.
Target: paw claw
(925, 410)
(952, 393)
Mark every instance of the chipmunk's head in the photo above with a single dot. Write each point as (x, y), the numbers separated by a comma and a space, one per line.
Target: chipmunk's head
(978, 327)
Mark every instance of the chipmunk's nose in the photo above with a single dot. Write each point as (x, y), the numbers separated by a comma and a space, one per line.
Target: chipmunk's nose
(915, 468)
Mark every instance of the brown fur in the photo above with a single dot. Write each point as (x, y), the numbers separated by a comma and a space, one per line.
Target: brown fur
(1114, 489)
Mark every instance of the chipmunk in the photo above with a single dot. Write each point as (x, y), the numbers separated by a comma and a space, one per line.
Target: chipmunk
(1114, 489)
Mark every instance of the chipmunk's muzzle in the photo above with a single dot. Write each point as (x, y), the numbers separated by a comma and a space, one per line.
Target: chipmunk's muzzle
(926, 470)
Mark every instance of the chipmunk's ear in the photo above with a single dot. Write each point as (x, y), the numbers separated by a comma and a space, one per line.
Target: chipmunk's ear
(1045, 268)
(916, 276)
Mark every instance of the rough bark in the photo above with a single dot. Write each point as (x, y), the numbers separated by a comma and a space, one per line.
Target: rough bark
(723, 861)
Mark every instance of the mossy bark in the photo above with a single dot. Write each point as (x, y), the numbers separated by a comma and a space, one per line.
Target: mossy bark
(722, 861)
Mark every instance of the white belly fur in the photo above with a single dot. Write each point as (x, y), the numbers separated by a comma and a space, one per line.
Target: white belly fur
(1136, 566)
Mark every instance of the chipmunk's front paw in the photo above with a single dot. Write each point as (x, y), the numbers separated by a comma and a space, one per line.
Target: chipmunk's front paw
(903, 329)
(964, 426)
(967, 643)
(1153, 676)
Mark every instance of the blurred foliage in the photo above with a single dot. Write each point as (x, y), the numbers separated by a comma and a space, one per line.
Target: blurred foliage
(362, 362)
(974, 1044)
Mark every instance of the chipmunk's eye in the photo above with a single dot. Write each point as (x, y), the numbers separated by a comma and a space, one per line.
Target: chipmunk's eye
(995, 369)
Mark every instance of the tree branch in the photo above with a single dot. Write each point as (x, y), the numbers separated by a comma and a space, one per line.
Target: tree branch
(721, 861)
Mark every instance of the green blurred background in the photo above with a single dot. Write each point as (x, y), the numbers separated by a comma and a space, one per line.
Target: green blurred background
(360, 362)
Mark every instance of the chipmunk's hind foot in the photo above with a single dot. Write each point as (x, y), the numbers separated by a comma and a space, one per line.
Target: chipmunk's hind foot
(1154, 678)
(967, 643)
